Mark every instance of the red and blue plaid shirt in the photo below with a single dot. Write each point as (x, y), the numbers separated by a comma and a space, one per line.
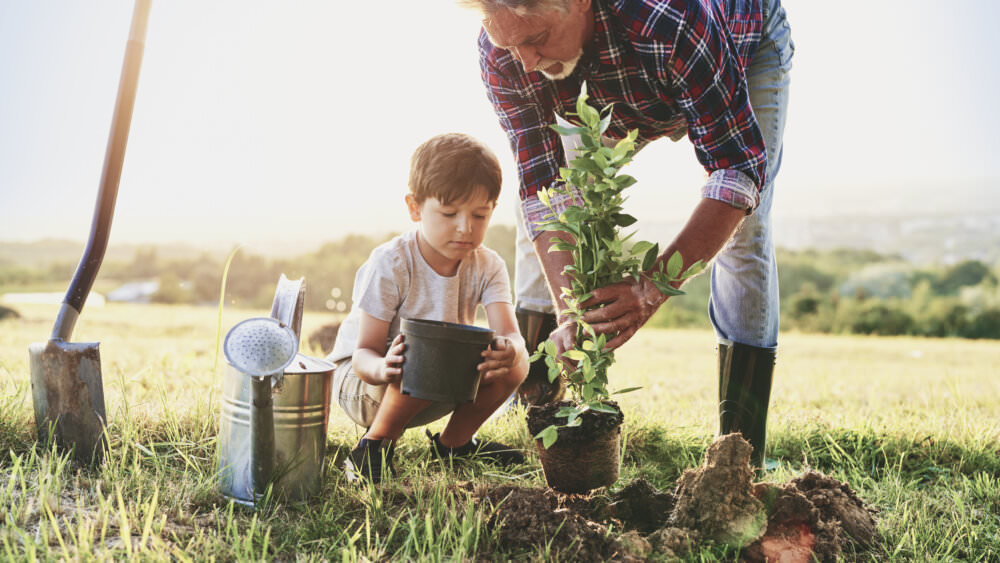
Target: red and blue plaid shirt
(669, 67)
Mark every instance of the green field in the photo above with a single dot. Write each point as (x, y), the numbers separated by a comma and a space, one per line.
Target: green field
(913, 425)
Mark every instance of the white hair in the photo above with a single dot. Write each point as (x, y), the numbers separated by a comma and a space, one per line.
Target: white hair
(519, 7)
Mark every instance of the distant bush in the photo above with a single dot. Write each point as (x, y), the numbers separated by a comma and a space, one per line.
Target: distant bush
(8, 313)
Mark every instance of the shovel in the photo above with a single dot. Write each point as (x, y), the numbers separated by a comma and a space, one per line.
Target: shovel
(66, 385)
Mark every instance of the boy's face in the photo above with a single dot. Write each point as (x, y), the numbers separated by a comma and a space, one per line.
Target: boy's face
(451, 232)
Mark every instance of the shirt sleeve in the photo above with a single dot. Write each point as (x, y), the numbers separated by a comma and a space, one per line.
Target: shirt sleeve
(706, 78)
(376, 285)
(496, 281)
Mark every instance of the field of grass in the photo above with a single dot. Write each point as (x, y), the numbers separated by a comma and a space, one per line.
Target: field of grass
(913, 425)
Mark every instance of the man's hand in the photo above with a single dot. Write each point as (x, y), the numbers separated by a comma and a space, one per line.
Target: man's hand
(391, 369)
(622, 309)
(564, 336)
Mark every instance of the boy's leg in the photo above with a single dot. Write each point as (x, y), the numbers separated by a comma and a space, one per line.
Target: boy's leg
(468, 417)
(394, 414)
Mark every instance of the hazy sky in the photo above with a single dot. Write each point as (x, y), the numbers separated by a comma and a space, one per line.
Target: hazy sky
(294, 121)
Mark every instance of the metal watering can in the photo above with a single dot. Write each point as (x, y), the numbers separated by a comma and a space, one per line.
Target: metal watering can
(275, 405)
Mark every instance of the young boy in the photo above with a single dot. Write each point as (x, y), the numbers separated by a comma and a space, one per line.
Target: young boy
(439, 271)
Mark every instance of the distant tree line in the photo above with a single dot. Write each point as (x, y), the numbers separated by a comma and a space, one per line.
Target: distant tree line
(840, 291)
(849, 291)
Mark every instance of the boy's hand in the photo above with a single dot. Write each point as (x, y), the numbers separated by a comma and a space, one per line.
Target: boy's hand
(499, 359)
(391, 369)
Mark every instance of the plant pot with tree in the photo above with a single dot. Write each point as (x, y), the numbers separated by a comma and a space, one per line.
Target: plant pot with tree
(578, 440)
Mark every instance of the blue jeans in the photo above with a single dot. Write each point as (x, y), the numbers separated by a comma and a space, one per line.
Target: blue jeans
(744, 304)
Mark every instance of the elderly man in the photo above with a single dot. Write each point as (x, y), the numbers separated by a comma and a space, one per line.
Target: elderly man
(715, 70)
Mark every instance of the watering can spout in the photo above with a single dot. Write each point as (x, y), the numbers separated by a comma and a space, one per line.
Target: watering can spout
(275, 406)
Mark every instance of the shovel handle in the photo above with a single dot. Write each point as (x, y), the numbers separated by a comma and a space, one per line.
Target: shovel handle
(100, 229)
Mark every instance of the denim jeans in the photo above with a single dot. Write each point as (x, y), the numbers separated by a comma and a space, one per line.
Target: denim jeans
(744, 303)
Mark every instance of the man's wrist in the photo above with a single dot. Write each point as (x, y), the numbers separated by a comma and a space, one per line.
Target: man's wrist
(650, 294)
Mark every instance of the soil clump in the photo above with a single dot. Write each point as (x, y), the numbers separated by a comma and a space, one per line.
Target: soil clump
(812, 517)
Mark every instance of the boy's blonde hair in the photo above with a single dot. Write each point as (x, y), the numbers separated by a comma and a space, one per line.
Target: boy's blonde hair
(450, 166)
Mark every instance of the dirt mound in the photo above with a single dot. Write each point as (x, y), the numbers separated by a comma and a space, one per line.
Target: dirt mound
(717, 498)
(812, 516)
(531, 517)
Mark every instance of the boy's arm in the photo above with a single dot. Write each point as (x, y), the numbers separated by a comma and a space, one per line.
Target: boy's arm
(513, 356)
(371, 362)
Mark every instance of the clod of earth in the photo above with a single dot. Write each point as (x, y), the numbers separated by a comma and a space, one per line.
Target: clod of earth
(813, 517)
(717, 498)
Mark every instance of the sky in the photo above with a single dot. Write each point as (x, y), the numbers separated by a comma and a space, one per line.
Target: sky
(287, 124)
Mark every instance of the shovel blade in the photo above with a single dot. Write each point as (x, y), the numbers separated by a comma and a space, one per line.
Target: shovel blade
(68, 395)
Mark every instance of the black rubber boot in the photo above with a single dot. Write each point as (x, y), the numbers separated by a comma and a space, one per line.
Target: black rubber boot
(745, 374)
(536, 388)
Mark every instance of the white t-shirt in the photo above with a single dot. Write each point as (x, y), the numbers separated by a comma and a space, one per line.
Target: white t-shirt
(397, 283)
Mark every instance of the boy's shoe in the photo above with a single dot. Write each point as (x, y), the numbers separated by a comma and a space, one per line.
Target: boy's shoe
(492, 452)
(370, 460)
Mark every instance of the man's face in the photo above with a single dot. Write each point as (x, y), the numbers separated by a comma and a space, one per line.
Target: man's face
(550, 42)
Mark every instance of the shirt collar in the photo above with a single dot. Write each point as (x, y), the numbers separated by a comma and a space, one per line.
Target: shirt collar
(604, 48)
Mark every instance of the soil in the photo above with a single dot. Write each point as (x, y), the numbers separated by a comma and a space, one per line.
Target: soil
(812, 517)
(594, 423)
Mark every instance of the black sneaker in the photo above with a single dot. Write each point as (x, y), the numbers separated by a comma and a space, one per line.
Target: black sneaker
(492, 452)
(367, 459)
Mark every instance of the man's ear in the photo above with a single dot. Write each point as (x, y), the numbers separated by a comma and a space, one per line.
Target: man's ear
(413, 207)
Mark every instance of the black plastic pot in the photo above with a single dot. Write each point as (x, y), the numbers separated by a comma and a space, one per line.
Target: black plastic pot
(441, 358)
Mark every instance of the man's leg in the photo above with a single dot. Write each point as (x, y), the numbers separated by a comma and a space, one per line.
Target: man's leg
(744, 302)
(536, 318)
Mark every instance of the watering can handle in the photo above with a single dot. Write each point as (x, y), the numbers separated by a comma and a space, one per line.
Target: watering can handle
(114, 156)
(289, 302)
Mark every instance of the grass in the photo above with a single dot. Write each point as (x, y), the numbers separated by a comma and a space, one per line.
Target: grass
(910, 423)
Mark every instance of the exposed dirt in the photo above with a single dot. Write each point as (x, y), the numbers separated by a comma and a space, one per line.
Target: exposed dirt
(813, 517)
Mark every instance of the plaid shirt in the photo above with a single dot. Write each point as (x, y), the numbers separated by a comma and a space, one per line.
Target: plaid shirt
(669, 66)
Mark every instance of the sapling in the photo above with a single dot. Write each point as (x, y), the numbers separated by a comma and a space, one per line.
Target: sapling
(601, 257)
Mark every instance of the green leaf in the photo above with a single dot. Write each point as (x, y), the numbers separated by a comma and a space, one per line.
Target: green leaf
(556, 226)
(626, 390)
(543, 196)
(641, 247)
(663, 284)
(575, 355)
(548, 436)
(601, 407)
(624, 180)
(606, 122)
(624, 219)
(568, 131)
(574, 214)
(674, 265)
(694, 269)
(649, 260)
(564, 412)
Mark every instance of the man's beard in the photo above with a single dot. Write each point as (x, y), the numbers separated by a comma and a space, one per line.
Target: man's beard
(567, 67)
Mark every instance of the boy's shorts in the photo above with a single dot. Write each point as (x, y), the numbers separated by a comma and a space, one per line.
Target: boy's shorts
(361, 400)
